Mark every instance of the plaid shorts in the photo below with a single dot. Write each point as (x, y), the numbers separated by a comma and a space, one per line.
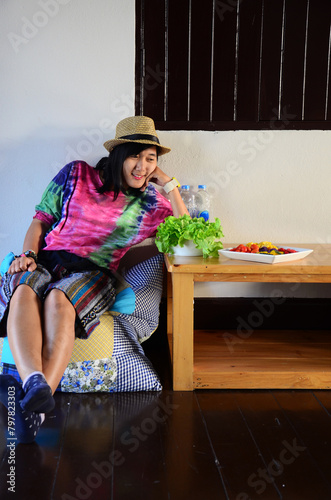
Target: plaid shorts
(91, 292)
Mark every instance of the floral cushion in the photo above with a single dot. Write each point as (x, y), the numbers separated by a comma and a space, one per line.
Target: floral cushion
(112, 358)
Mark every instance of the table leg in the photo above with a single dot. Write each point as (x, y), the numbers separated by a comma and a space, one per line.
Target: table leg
(169, 304)
(182, 356)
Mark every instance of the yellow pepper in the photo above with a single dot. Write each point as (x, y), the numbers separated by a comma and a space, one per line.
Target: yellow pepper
(267, 244)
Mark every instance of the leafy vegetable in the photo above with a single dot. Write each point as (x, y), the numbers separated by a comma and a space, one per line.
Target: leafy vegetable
(178, 230)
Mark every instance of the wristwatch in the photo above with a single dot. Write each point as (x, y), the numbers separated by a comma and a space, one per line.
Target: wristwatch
(171, 185)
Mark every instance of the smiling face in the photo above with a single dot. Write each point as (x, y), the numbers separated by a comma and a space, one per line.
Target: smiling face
(137, 167)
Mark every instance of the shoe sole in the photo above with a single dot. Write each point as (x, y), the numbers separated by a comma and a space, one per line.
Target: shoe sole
(42, 402)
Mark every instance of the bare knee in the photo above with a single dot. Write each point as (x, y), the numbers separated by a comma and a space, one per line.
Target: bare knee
(24, 298)
(24, 292)
(57, 303)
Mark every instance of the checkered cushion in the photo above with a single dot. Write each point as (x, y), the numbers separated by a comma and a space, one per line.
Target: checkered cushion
(112, 358)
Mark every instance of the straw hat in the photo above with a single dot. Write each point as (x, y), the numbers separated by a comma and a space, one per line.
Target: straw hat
(136, 129)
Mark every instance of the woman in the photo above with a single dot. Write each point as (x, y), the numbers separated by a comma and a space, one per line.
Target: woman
(86, 221)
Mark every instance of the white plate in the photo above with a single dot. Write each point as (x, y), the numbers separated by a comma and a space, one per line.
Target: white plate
(267, 259)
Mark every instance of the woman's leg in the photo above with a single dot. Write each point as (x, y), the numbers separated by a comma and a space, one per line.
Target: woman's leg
(59, 336)
(40, 342)
(24, 327)
(41, 345)
(37, 345)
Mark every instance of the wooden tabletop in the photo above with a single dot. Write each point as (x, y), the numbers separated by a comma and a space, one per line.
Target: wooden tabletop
(314, 268)
(318, 262)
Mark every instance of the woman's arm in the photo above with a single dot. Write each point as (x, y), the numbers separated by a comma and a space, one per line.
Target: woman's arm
(177, 204)
(33, 241)
(161, 179)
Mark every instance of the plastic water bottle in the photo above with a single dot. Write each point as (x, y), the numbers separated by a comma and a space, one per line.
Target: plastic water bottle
(189, 199)
(203, 202)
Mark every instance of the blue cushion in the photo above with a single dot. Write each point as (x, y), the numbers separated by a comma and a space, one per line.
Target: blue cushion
(7, 356)
(125, 302)
(6, 263)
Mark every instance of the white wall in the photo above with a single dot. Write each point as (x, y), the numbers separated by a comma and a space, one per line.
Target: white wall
(64, 85)
(67, 71)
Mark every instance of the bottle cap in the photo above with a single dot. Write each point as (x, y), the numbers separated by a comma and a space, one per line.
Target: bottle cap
(202, 186)
(185, 187)
(204, 214)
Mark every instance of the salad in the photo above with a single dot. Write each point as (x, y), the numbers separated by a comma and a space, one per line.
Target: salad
(178, 230)
(265, 247)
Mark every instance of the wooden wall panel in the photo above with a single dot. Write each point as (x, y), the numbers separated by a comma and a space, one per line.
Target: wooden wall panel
(234, 64)
(178, 50)
(271, 59)
(224, 62)
(248, 60)
(200, 73)
(294, 58)
(317, 60)
(154, 67)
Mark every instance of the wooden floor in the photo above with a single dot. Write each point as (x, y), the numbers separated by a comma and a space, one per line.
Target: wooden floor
(206, 445)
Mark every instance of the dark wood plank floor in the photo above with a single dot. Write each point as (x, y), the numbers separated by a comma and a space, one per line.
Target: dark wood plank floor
(209, 445)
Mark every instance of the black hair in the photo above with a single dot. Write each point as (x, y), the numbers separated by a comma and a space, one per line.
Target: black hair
(112, 166)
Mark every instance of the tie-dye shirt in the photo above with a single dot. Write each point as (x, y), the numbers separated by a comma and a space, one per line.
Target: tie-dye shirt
(93, 225)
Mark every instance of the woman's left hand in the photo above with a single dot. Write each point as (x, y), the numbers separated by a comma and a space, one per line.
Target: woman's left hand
(161, 179)
(158, 177)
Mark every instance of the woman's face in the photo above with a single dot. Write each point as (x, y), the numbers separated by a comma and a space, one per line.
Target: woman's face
(137, 167)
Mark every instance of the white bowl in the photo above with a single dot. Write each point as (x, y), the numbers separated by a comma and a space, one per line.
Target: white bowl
(188, 250)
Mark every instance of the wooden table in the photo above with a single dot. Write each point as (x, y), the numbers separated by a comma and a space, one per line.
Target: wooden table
(242, 358)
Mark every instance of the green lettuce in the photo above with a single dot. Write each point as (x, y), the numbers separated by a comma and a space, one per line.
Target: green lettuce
(178, 230)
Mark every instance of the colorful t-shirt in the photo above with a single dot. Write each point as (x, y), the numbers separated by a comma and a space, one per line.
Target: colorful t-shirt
(93, 225)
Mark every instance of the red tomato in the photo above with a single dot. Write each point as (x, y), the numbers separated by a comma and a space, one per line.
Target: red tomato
(239, 248)
(255, 248)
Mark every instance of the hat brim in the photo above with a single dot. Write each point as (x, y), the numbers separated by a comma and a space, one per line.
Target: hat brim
(110, 145)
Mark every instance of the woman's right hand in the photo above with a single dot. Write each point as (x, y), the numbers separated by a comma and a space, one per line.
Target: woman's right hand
(22, 263)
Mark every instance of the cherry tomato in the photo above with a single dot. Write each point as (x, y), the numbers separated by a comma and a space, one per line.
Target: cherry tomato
(255, 248)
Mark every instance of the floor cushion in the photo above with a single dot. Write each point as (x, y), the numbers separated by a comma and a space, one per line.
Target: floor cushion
(112, 358)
